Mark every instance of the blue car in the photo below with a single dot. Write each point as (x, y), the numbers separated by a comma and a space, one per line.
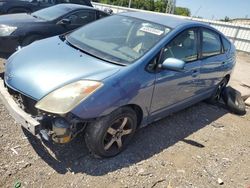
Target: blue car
(113, 76)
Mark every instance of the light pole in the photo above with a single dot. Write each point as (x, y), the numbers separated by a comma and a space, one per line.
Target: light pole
(129, 4)
(170, 6)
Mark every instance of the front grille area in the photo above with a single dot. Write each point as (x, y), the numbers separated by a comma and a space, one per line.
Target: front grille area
(24, 102)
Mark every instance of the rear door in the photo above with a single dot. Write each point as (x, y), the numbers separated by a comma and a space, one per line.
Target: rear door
(172, 87)
(213, 59)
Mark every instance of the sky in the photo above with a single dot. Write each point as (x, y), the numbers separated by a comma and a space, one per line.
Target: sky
(217, 9)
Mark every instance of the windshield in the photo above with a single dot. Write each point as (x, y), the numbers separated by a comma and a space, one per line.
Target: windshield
(51, 13)
(118, 38)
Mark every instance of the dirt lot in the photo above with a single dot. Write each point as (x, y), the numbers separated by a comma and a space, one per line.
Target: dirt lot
(202, 146)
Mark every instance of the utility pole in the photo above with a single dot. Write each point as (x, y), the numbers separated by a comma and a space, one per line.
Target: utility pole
(129, 4)
(170, 6)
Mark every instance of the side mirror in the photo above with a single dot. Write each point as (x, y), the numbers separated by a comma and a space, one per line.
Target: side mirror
(173, 64)
(64, 22)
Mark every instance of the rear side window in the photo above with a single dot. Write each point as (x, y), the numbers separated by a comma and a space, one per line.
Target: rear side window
(81, 18)
(183, 47)
(211, 44)
(226, 44)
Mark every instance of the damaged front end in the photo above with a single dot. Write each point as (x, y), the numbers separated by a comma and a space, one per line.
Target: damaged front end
(60, 129)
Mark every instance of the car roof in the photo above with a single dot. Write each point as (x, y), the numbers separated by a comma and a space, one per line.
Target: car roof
(169, 21)
(74, 6)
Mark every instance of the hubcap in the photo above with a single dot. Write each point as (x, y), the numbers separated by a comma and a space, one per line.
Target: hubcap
(117, 132)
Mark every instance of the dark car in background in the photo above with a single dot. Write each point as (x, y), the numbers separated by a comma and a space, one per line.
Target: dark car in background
(28, 6)
(23, 29)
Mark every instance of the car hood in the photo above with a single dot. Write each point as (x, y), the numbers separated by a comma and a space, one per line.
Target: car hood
(18, 19)
(46, 65)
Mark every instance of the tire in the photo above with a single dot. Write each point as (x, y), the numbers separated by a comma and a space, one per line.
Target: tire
(30, 39)
(234, 101)
(109, 135)
(18, 10)
(216, 96)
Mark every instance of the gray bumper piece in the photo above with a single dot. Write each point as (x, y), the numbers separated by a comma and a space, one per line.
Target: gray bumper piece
(16, 112)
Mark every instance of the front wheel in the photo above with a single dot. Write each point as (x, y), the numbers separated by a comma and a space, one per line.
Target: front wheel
(110, 135)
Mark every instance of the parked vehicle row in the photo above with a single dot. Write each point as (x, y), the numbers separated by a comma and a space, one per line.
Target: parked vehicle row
(113, 76)
(23, 29)
(29, 6)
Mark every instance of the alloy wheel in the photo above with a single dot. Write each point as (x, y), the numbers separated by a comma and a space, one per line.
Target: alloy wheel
(117, 134)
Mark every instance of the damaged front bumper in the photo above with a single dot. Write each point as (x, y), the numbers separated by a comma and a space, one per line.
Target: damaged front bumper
(16, 112)
(60, 129)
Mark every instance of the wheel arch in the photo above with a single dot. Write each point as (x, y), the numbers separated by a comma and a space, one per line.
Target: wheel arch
(138, 110)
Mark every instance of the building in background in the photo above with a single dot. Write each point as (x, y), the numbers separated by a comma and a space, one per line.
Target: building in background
(242, 21)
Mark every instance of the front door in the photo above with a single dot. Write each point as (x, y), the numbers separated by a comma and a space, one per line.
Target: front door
(172, 87)
(79, 19)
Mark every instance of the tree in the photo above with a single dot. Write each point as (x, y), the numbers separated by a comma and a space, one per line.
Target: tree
(160, 5)
(182, 11)
(226, 19)
(152, 5)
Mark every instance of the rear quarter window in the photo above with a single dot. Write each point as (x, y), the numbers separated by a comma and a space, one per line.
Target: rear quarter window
(226, 44)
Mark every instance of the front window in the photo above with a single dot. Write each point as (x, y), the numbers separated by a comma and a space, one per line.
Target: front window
(118, 39)
(81, 18)
(51, 13)
(183, 47)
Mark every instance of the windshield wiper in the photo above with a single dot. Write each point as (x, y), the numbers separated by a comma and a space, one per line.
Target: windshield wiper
(104, 59)
(62, 37)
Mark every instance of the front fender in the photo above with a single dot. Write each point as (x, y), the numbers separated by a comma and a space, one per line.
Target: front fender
(133, 88)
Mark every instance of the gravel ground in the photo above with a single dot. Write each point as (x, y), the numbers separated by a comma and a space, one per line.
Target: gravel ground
(201, 146)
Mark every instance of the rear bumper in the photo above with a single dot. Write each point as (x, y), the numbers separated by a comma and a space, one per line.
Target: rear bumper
(16, 112)
(9, 44)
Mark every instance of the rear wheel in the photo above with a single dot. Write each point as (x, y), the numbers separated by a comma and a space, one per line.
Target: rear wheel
(234, 101)
(110, 135)
(218, 92)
